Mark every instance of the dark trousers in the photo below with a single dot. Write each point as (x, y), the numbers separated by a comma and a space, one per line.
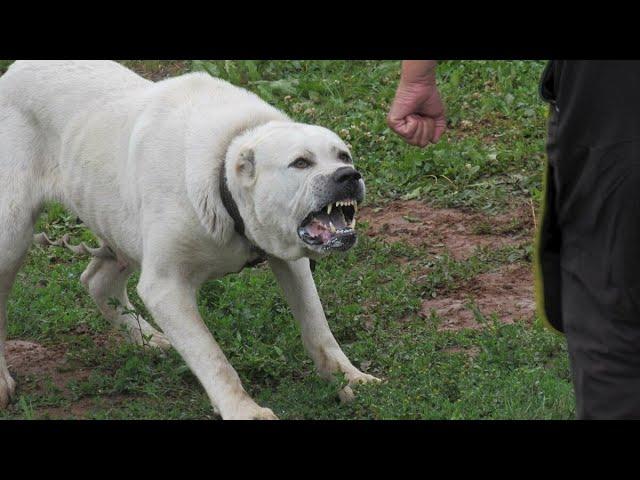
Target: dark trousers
(589, 243)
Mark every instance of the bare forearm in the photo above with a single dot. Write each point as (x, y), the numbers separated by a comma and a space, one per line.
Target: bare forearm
(418, 71)
(417, 112)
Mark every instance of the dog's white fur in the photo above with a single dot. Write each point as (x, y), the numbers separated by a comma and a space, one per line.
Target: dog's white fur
(138, 162)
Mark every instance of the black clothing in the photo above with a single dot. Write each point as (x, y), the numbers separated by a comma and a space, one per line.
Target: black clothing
(588, 246)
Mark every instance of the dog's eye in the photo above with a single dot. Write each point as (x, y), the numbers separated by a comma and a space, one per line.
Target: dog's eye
(345, 157)
(300, 163)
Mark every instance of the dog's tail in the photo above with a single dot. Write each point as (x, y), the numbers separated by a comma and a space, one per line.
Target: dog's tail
(103, 251)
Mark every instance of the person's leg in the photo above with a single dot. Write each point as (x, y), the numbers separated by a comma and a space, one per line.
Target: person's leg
(598, 208)
(601, 282)
(601, 290)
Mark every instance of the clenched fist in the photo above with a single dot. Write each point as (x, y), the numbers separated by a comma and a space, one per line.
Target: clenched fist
(417, 112)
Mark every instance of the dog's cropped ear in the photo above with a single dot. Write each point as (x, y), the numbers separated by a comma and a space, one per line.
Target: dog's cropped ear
(245, 166)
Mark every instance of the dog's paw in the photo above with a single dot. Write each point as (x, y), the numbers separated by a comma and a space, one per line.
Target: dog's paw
(7, 388)
(346, 394)
(360, 377)
(252, 412)
(264, 414)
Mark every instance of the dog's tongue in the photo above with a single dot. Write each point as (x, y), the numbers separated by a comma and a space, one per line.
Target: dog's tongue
(319, 230)
(320, 226)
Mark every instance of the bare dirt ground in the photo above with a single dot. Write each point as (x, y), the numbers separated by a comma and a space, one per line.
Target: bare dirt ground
(452, 231)
(506, 293)
(159, 70)
(46, 370)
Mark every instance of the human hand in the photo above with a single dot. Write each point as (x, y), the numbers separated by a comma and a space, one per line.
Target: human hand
(417, 112)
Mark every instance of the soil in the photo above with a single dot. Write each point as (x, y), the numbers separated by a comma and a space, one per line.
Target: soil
(36, 368)
(159, 71)
(452, 231)
(507, 292)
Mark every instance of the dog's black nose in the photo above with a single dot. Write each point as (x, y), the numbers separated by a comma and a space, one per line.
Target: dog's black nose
(346, 174)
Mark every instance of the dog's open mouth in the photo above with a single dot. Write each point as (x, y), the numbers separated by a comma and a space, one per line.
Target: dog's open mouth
(332, 227)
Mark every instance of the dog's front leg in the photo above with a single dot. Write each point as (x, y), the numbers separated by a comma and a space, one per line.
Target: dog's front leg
(172, 302)
(299, 288)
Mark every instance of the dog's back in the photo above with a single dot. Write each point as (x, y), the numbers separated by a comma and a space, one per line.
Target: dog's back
(77, 132)
(51, 93)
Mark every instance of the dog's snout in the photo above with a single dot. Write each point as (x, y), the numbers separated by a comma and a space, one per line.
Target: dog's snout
(346, 174)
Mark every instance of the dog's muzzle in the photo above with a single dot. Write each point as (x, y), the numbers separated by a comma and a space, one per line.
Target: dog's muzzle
(332, 227)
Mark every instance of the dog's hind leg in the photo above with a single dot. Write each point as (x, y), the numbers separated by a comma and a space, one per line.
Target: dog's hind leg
(16, 233)
(27, 180)
(106, 281)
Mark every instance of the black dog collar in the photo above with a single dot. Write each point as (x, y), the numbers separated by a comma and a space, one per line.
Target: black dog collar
(229, 203)
(232, 209)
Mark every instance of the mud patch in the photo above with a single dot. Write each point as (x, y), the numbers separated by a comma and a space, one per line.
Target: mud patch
(30, 359)
(507, 293)
(452, 231)
(47, 371)
(158, 70)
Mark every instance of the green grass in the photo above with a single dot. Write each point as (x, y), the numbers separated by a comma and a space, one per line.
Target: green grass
(490, 160)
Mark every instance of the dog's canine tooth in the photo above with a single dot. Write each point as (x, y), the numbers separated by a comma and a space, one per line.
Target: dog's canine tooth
(329, 207)
(331, 227)
(353, 223)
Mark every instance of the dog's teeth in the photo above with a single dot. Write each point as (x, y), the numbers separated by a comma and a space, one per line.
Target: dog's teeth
(353, 223)
(331, 227)
(329, 207)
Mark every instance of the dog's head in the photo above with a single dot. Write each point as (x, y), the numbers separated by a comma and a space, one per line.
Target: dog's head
(296, 188)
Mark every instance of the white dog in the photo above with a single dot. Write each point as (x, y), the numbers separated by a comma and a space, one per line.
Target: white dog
(188, 179)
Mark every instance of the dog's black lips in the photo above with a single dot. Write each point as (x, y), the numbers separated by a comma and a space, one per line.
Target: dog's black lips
(332, 227)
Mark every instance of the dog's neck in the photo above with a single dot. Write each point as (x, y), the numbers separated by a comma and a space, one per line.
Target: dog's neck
(227, 200)
(231, 207)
